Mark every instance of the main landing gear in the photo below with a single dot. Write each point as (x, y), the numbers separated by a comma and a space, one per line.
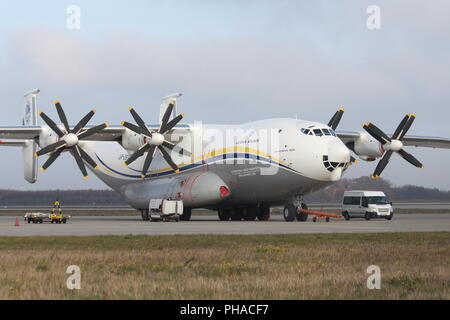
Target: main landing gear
(250, 213)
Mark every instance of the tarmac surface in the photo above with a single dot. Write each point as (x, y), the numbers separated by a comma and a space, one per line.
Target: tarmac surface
(122, 225)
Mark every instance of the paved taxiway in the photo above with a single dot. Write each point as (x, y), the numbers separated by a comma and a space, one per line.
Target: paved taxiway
(121, 225)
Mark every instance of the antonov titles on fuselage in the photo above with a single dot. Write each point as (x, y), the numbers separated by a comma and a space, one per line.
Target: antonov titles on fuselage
(238, 170)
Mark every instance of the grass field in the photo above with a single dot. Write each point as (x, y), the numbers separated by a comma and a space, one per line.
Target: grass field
(325, 266)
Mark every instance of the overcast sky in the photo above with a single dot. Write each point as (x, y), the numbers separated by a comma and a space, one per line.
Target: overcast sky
(235, 61)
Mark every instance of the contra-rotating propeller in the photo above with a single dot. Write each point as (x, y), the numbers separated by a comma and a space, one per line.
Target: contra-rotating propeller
(334, 121)
(154, 139)
(392, 144)
(69, 138)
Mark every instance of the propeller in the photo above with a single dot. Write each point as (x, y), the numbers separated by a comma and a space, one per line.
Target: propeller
(392, 144)
(154, 139)
(334, 121)
(68, 139)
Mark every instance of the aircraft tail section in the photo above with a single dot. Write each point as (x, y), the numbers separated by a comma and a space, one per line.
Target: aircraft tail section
(30, 118)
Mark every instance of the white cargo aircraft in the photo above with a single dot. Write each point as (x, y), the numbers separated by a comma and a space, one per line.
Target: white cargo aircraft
(238, 170)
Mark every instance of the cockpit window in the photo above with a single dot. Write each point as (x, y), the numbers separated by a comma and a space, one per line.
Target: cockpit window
(318, 132)
(326, 132)
(305, 131)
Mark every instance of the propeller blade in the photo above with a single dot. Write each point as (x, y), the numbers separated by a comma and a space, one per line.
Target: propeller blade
(51, 159)
(168, 159)
(51, 124)
(172, 123)
(137, 154)
(382, 164)
(62, 116)
(139, 121)
(89, 132)
(79, 160)
(410, 158)
(148, 160)
(80, 125)
(375, 132)
(166, 117)
(133, 127)
(50, 148)
(86, 157)
(175, 148)
(408, 124)
(334, 121)
(400, 127)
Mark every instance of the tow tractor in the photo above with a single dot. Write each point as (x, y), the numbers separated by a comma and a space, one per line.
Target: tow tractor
(165, 210)
(56, 215)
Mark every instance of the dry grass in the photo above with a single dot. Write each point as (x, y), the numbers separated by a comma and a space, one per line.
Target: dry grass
(413, 266)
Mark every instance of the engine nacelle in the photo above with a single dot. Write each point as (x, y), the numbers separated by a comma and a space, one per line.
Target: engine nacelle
(47, 137)
(132, 141)
(367, 148)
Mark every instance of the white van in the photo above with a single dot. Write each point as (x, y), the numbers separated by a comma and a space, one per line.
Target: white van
(366, 204)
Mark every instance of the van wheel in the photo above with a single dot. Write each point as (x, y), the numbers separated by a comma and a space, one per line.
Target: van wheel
(224, 214)
(367, 216)
(390, 216)
(346, 215)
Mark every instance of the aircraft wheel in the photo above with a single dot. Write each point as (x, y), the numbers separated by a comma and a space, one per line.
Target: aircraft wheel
(302, 216)
(224, 214)
(250, 213)
(144, 214)
(186, 216)
(237, 214)
(289, 212)
(367, 216)
(263, 214)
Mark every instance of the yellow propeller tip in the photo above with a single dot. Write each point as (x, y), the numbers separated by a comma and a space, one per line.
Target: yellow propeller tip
(35, 155)
(177, 171)
(171, 102)
(413, 115)
(142, 176)
(341, 109)
(422, 166)
(94, 110)
(85, 177)
(40, 111)
(107, 124)
(96, 167)
(42, 169)
(182, 115)
(125, 164)
(363, 125)
(375, 177)
(130, 108)
(122, 123)
(56, 101)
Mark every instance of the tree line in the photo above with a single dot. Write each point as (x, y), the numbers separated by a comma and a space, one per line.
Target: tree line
(332, 194)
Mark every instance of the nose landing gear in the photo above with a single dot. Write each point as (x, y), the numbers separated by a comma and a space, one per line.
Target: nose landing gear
(290, 212)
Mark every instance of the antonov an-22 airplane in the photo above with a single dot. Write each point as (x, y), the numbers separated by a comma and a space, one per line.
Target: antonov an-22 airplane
(239, 170)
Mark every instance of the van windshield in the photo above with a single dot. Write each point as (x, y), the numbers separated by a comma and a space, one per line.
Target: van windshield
(377, 200)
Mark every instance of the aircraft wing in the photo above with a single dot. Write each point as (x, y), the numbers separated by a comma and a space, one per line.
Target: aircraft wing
(416, 141)
(110, 133)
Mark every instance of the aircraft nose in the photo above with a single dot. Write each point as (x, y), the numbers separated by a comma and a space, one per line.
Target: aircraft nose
(338, 152)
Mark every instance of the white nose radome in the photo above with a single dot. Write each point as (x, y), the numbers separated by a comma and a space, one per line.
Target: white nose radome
(338, 152)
